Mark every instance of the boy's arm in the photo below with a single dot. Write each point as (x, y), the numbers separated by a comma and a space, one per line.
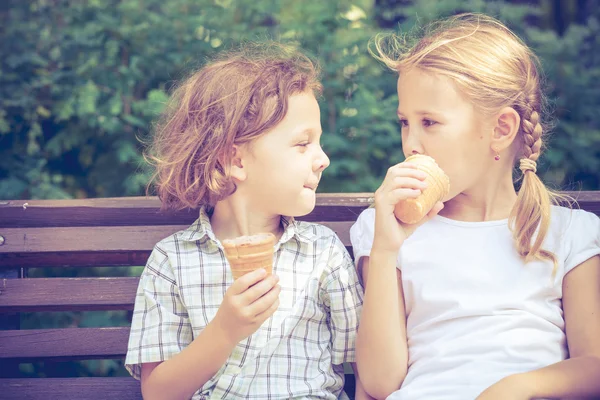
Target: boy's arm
(181, 376)
(249, 301)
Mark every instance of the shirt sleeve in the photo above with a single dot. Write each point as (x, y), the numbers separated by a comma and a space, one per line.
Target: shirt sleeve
(584, 238)
(362, 234)
(343, 295)
(160, 326)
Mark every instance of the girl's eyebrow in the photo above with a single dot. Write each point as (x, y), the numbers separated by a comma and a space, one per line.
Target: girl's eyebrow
(420, 112)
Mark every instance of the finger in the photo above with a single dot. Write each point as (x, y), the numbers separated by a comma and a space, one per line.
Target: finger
(269, 311)
(397, 195)
(406, 169)
(265, 302)
(245, 281)
(260, 289)
(408, 183)
(432, 213)
(409, 170)
(439, 206)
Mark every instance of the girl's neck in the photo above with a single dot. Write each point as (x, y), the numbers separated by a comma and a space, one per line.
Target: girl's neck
(490, 200)
(234, 217)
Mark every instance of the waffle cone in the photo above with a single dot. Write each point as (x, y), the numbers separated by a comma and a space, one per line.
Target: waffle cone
(248, 253)
(411, 211)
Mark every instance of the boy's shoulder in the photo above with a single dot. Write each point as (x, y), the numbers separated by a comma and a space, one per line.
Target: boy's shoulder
(314, 232)
(179, 241)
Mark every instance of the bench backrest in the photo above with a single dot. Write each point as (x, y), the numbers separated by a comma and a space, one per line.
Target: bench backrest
(83, 234)
(95, 233)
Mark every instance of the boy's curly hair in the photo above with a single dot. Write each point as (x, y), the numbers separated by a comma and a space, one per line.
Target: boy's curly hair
(237, 97)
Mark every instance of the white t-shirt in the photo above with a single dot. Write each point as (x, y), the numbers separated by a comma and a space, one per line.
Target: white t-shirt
(475, 312)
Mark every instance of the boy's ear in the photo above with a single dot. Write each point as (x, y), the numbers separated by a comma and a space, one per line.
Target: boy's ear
(506, 128)
(237, 170)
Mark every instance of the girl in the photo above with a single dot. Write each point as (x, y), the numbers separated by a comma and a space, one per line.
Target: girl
(488, 298)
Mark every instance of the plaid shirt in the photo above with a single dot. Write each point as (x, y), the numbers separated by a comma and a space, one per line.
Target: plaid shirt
(298, 352)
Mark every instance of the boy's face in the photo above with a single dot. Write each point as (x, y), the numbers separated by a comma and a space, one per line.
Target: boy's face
(283, 167)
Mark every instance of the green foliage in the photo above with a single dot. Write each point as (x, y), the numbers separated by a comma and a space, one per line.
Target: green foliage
(82, 81)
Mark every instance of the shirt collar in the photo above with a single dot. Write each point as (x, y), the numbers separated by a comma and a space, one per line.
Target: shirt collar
(202, 228)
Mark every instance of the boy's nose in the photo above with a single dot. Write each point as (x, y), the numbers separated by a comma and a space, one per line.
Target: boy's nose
(321, 161)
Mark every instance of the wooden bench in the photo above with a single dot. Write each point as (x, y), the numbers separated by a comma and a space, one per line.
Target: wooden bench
(91, 233)
(99, 233)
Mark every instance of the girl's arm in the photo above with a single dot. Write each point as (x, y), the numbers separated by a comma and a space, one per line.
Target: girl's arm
(579, 376)
(381, 346)
(359, 392)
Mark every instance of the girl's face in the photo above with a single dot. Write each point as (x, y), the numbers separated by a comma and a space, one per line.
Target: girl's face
(438, 121)
(283, 166)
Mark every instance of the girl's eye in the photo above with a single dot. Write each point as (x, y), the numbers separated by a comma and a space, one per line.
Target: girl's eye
(428, 122)
(303, 144)
(403, 123)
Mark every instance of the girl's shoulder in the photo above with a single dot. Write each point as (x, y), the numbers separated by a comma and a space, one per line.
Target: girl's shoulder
(573, 221)
(575, 234)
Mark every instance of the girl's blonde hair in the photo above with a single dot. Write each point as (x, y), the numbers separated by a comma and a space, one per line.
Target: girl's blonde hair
(236, 98)
(493, 68)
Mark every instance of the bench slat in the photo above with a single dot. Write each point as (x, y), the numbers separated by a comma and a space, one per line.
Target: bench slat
(124, 211)
(70, 388)
(105, 239)
(80, 259)
(77, 259)
(72, 294)
(63, 344)
(104, 246)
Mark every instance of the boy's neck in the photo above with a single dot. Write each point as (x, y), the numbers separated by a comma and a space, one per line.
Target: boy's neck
(233, 218)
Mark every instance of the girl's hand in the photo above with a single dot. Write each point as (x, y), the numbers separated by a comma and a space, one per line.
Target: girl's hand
(248, 302)
(517, 387)
(403, 181)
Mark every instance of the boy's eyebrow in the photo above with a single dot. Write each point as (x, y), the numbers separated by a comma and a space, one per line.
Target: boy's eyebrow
(308, 131)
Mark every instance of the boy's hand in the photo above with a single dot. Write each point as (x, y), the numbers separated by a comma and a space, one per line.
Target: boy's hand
(402, 181)
(251, 299)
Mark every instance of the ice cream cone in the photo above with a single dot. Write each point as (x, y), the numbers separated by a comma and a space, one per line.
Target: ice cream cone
(411, 211)
(249, 253)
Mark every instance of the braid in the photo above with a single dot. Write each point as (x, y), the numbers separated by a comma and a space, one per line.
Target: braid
(532, 135)
(531, 214)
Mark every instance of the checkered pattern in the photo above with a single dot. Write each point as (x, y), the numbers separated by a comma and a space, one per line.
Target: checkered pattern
(298, 352)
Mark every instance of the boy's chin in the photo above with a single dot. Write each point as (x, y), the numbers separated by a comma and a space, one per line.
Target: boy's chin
(303, 206)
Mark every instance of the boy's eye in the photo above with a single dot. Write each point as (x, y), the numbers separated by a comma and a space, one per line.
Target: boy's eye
(303, 144)
(428, 122)
(403, 122)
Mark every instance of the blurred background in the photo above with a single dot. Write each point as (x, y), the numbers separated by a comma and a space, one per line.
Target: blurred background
(81, 82)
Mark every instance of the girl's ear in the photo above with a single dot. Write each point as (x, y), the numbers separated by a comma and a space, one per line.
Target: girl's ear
(506, 128)
(237, 170)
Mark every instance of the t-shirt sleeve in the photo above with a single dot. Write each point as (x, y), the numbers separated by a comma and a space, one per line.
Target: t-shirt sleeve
(160, 326)
(584, 238)
(362, 234)
(343, 296)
